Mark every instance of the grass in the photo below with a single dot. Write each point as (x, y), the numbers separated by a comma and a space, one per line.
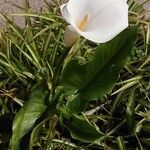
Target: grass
(29, 55)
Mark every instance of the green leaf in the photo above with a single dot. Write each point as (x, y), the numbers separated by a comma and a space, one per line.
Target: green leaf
(146, 127)
(97, 77)
(130, 110)
(81, 128)
(28, 115)
(120, 142)
(35, 134)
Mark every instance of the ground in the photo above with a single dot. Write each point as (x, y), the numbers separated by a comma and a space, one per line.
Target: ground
(9, 6)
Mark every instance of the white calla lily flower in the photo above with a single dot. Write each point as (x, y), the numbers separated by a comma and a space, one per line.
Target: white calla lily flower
(71, 36)
(96, 20)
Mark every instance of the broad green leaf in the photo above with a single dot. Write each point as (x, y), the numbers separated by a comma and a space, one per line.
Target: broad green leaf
(35, 134)
(97, 77)
(81, 128)
(28, 115)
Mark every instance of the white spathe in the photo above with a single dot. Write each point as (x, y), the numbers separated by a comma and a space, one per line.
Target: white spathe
(96, 20)
(71, 36)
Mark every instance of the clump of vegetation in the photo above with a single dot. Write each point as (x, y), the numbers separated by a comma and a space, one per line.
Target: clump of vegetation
(41, 105)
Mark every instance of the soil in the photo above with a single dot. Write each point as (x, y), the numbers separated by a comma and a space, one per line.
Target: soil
(15, 6)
